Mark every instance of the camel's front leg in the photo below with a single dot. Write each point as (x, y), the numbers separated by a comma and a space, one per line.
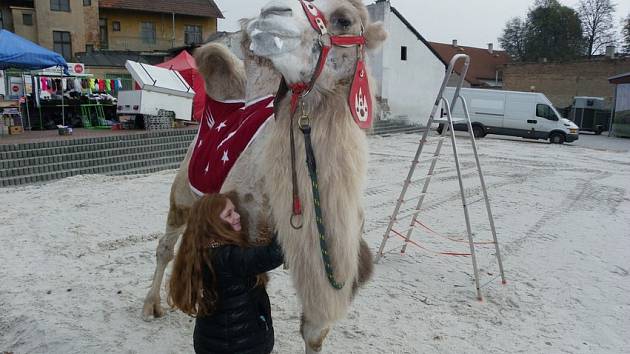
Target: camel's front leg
(164, 254)
(313, 335)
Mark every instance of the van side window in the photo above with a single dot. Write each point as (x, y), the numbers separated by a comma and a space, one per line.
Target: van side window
(544, 111)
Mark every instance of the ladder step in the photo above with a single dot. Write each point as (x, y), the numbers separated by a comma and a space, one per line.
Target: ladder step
(413, 181)
(426, 159)
(401, 216)
(420, 195)
(445, 120)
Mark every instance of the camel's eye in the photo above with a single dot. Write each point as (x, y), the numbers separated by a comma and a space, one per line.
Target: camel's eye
(342, 22)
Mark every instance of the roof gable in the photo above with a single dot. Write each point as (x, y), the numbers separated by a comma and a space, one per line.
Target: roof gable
(483, 63)
(418, 35)
(201, 8)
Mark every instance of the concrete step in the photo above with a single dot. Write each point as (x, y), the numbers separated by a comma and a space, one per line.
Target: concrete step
(92, 155)
(146, 170)
(158, 152)
(92, 146)
(105, 169)
(97, 140)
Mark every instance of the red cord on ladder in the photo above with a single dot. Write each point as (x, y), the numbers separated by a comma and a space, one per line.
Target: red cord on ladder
(428, 250)
(451, 238)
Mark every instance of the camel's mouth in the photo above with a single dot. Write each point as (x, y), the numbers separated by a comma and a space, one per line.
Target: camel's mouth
(273, 34)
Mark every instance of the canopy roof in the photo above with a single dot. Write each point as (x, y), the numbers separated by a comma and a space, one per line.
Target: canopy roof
(185, 64)
(17, 52)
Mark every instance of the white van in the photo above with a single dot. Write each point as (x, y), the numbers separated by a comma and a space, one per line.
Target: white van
(525, 114)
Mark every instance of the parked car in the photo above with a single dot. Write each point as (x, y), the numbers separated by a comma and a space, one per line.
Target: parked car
(524, 114)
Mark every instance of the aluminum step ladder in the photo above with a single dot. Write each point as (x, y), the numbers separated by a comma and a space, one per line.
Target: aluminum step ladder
(448, 123)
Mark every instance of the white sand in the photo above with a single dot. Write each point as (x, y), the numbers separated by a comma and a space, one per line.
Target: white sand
(78, 255)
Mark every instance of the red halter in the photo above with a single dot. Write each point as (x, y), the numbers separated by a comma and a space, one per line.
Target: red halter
(359, 99)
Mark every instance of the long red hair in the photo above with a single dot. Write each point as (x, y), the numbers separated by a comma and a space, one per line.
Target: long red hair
(204, 227)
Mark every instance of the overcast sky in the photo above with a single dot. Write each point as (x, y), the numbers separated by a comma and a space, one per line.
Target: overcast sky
(472, 22)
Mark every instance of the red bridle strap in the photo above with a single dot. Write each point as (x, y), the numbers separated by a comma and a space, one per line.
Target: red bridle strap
(319, 24)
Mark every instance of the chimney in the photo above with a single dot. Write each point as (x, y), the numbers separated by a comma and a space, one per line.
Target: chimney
(455, 43)
(490, 48)
(610, 51)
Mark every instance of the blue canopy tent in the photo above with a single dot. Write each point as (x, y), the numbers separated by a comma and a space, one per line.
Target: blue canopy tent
(20, 53)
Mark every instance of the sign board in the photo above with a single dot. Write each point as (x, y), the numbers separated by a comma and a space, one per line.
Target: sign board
(16, 88)
(74, 69)
(3, 83)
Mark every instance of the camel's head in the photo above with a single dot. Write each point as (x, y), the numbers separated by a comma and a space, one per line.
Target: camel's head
(290, 34)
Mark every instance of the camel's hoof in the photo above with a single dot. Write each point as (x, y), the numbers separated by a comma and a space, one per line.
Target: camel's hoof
(152, 311)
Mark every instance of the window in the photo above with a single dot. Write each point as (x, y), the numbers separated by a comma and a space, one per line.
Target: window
(60, 5)
(27, 19)
(87, 2)
(89, 48)
(102, 33)
(116, 26)
(192, 34)
(544, 111)
(147, 32)
(403, 53)
(62, 44)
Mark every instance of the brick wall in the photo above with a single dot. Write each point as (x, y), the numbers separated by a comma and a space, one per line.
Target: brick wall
(560, 82)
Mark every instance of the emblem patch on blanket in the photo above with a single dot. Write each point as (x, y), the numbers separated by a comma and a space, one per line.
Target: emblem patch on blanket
(226, 130)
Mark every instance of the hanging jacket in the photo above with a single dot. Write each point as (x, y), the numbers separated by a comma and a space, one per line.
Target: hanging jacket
(241, 323)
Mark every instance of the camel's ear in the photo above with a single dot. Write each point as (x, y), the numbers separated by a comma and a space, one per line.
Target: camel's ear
(375, 35)
(222, 71)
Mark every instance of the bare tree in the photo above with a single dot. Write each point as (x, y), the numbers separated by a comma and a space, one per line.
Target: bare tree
(625, 33)
(598, 24)
(513, 38)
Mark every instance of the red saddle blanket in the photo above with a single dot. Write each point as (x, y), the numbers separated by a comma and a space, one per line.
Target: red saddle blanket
(226, 130)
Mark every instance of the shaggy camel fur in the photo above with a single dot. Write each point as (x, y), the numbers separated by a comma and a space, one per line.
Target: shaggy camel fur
(340, 151)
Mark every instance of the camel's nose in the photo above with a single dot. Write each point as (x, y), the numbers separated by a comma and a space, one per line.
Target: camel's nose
(277, 11)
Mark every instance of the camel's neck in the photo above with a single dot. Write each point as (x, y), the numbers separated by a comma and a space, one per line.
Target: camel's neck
(262, 79)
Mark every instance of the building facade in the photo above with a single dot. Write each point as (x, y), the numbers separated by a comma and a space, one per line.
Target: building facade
(562, 81)
(407, 72)
(74, 26)
(65, 26)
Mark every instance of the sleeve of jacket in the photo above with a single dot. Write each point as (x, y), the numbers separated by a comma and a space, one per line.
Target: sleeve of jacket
(253, 260)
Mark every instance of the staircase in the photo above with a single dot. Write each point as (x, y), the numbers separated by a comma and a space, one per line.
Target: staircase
(389, 127)
(112, 155)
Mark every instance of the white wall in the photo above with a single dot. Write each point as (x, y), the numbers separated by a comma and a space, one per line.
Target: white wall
(408, 87)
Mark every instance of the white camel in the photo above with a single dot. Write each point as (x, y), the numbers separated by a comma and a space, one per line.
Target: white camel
(288, 36)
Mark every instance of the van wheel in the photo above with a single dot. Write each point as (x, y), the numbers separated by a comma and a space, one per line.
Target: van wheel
(478, 131)
(556, 138)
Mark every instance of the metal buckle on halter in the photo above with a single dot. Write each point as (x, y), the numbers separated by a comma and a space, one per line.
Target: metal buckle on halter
(328, 41)
(304, 121)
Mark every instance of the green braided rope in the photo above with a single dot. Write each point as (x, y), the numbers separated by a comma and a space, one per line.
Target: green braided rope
(312, 171)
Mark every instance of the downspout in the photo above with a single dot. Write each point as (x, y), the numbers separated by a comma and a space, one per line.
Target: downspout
(173, 34)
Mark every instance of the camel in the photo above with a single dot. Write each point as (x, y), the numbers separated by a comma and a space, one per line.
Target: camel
(321, 233)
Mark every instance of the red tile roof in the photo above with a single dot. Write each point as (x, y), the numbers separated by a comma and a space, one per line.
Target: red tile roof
(202, 8)
(483, 64)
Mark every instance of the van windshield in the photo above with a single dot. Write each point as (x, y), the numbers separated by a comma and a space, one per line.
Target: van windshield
(556, 112)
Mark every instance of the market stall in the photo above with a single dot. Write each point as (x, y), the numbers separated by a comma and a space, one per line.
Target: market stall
(19, 53)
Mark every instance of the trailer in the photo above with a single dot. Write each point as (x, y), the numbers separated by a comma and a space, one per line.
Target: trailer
(590, 114)
(163, 95)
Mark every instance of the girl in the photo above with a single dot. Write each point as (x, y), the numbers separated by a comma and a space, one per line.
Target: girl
(219, 278)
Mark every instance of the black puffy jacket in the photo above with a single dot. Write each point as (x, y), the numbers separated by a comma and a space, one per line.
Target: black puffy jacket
(241, 322)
